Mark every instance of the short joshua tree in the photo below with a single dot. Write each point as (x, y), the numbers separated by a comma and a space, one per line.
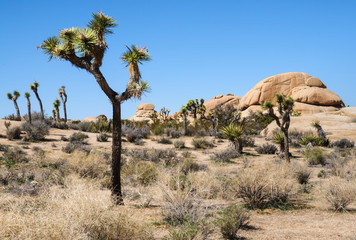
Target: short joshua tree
(27, 96)
(184, 114)
(56, 105)
(321, 133)
(63, 95)
(14, 99)
(164, 113)
(34, 88)
(285, 108)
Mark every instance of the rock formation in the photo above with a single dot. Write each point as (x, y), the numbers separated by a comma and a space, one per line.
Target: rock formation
(309, 93)
(221, 100)
(143, 113)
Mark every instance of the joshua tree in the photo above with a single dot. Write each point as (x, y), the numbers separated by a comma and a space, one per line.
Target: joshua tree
(184, 114)
(85, 49)
(34, 88)
(54, 114)
(14, 99)
(285, 108)
(56, 105)
(63, 96)
(27, 96)
(321, 133)
(196, 107)
(164, 113)
(234, 133)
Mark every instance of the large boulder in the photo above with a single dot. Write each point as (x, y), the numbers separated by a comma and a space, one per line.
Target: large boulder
(221, 100)
(302, 87)
(143, 113)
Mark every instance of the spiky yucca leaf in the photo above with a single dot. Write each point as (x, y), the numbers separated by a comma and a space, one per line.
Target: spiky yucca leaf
(232, 132)
(50, 45)
(68, 35)
(267, 105)
(101, 24)
(137, 89)
(56, 103)
(85, 40)
(9, 96)
(135, 54)
(278, 137)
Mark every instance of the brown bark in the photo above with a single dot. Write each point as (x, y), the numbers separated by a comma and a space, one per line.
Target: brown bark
(286, 145)
(40, 102)
(64, 101)
(29, 110)
(116, 155)
(18, 117)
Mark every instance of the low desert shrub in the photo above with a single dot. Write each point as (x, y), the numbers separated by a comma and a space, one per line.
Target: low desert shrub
(35, 131)
(84, 126)
(225, 156)
(78, 138)
(341, 165)
(59, 125)
(13, 156)
(13, 133)
(164, 140)
(343, 143)
(315, 156)
(175, 134)
(266, 148)
(166, 156)
(201, 143)
(102, 137)
(339, 193)
(180, 205)
(72, 146)
(231, 219)
(179, 144)
(248, 141)
(189, 165)
(301, 173)
(146, 173)
(190, 231)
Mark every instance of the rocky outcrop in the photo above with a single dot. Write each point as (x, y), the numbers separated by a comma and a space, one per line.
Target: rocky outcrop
(143, 113)
(221, 100)
(303, 88)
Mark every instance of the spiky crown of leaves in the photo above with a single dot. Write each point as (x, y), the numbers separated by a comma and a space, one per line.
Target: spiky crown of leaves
(56, 103)
(27, 95)
(135, 54)
(80, 40)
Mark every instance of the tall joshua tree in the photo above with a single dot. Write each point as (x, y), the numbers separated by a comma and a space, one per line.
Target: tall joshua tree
(27, 96)
(285, 108)
(85, 49)
(56, 105)
(14, 99)
(63, 95)
(34, 88)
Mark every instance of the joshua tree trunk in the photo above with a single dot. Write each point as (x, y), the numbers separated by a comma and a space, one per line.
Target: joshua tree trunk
(40, 102)
(29, 110)
(286, 145)
(116, 155)
(238, 145)
(57, 111)
(18, 118)
(185, 125)
(65, 112)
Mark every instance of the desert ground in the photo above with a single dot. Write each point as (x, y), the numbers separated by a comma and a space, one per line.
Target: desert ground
(59, 195)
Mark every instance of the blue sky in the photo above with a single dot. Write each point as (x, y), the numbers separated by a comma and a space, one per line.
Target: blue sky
(199, 48)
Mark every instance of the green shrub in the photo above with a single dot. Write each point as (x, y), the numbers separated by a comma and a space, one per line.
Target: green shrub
(315, 156)
(314, 140)
(102, 137)
(201, 143)
(231, 219)
(72, 146)
(343, 143)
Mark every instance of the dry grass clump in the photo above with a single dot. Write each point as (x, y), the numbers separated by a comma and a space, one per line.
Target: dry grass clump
(302, 173)
(168, 157)
(269, 187)
(201, 143)
(315, 156)
(80, 210)
(13, 133)
(339, 193)
(340, 165)
(93, 165)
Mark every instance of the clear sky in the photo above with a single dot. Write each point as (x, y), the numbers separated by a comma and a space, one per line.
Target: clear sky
(200, 49)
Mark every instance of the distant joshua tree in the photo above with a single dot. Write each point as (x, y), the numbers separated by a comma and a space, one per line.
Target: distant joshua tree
(85, 49)
(27, 96)
(196, 107)
(184, 114)
(34, 88)
(285, 109)
(54, 115)
(63, 96)
(14, 99)
(56, 105)
(164, 113)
